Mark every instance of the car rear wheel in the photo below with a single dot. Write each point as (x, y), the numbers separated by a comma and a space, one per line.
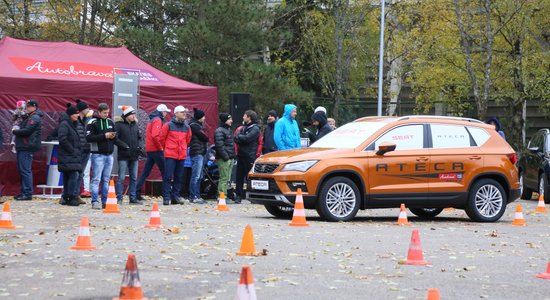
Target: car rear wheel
(427, 213)
(486, 201)
(281, 212)
(526, 193)
(339, 200)
(543, 188)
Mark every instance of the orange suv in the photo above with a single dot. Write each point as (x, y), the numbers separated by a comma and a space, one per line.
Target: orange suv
(426, 162)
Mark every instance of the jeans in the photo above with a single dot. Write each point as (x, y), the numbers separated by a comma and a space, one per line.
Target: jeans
(24, 166)
(244, 164)
(224, 167)
(84, 160)
(127, 167)
(102, 165)
(172, 168)
(70, 182)
(196, 176)
(86, 176)
(152, 159)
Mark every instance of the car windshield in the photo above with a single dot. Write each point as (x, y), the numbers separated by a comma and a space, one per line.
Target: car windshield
(348, 136)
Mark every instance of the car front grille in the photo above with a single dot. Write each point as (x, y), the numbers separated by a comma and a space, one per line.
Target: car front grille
(265, 168)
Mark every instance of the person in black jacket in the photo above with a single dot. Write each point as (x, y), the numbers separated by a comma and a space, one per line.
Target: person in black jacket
(319, 120)
(269, 142)
(247, 139)
(197, 151)
(127, 131)
(101, 135)
(225, 151)
(83, 109)
(70, 155)
(27, 141)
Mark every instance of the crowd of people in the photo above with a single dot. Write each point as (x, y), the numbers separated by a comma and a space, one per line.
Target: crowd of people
(87, 141)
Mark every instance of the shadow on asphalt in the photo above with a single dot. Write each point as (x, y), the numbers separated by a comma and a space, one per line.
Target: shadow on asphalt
(381, 219)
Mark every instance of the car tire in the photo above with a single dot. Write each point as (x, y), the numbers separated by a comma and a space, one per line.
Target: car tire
(280, 212)
(426, 213)
(544, 188)
(526, 193)
(339, 200)
(486, 201)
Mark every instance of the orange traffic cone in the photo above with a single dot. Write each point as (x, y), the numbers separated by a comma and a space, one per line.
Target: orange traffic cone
(415, 255)
(433, 294)
(541, 207)
(402, 220)
(246, 289)
(247, 244)
(83, 242)
(154, 221)
(222, 206)
(111, 207)
(299, 215)
(518, 219)
(545, 275)
(5, 220)
(131, 286)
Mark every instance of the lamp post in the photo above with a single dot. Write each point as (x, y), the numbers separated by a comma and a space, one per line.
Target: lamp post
(381, 62)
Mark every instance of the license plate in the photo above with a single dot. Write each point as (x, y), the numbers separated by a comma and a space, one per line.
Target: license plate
(260, 185)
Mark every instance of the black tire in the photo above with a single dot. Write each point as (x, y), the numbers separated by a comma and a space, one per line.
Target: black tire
(281, 212)
(486, 201)
(544, 188)
(426, 213)
(330, 200)
(526, 193)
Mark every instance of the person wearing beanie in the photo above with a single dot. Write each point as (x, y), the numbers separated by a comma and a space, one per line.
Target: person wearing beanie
(175, 136)
(127, 131)
(27, 141)
(197, 151)
(84, 174)
(225, 151)
(247, 138)
(269, 142)
(319, 120)
(153, 146)
(69, 155)
(287, 132)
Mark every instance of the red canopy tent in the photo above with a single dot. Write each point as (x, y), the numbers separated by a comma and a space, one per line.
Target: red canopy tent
(56, 73)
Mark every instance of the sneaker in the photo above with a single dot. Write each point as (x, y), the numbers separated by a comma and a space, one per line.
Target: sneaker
(62, 201)
(96, 205)
(86, 194)
(136, 202)
(140, 198)
(198, 201)
(177, 201)
(237, 200)
(73, 201)
(23, 198)
(80, 201)
(166, 202)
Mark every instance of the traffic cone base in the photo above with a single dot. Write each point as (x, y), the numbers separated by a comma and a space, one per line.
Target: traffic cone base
(299, 214)
(154, 221)
(415, 255)
(247, 244)
(541, 206)
(246, 289)
(518, 218)
(402, 219)
(433, 294)
(222, 205)
(83, 242)
(130, 289)
(545, 275)
(111, 207)
(5, 219)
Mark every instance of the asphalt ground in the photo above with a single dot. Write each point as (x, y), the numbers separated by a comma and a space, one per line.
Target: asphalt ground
(194, 258)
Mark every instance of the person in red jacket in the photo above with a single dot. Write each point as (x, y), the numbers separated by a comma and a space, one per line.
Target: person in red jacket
(153, 146)
(175, 136)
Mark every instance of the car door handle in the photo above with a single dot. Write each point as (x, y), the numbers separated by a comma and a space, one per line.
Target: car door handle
(422, 158)
(475, 157)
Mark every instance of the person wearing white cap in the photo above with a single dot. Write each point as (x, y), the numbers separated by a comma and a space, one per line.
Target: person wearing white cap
(127, 131)
(153, 146)
(175, 136)
(321, 109)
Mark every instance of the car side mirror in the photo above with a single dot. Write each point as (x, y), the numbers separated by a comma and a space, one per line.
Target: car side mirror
(385, 147)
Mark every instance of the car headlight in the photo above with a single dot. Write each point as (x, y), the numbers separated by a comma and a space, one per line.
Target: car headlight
(300, 166)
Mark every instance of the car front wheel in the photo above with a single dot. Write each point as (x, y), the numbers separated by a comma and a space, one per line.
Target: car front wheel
(281, 212)
(339, 200)
(486, 201)
(526, 193)
(426, 213)
(544, 189)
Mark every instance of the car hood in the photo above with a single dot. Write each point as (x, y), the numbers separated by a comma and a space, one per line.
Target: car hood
(288, 156)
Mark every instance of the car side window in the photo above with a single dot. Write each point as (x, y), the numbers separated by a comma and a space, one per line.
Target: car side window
(407, 137)
(449, 136)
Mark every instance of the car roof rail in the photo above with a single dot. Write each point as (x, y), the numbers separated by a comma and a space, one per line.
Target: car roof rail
(439, 117)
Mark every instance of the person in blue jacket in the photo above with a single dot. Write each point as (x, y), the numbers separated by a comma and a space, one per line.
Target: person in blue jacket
(287, 133)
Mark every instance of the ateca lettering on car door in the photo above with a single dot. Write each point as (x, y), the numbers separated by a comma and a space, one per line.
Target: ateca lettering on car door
(455, 158)
(403, 169)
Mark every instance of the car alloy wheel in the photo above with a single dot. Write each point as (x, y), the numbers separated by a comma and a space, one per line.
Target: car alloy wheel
(339, 199)
(487, 201)
(544, 188)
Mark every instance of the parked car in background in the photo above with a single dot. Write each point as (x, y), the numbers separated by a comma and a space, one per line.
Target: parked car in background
(534, 167)
(426, 162)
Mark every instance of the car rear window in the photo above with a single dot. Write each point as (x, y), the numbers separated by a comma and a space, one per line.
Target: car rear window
(479, 135)
(348, 136)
